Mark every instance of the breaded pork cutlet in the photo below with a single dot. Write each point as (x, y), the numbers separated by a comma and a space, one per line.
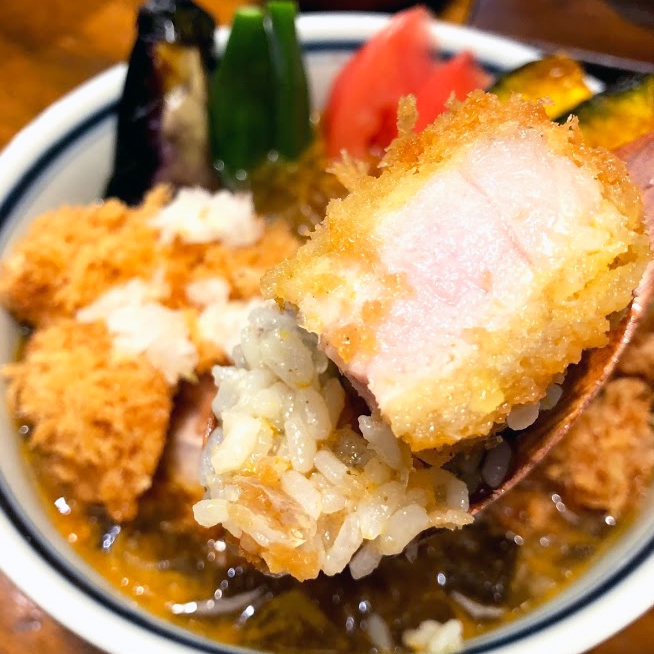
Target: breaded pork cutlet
(487, 256)
(99, 415)
(98, 421)
(71, 256)
(605, 462)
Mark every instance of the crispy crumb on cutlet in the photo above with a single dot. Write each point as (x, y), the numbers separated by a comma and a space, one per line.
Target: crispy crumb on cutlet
(335, 278)
(606, 460)
(99, 421)
(241, 267)
(638, 358)
(71, 255)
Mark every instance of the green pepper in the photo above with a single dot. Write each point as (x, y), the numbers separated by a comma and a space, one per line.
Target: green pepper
(259, 105)
(293, 126)
(241, 102)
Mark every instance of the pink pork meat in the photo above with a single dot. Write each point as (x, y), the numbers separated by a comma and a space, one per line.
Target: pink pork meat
(456, 286)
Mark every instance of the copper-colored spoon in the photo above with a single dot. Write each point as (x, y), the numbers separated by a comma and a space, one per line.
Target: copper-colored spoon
(587, 378)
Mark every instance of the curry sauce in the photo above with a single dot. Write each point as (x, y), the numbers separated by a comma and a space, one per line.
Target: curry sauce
(520, 553)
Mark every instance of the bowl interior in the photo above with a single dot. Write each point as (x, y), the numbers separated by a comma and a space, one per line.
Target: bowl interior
(65, 157)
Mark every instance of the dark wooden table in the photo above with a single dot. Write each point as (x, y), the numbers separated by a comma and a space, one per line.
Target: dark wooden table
(49, 46)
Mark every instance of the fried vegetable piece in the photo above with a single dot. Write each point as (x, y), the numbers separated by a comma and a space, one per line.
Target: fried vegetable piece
(163, 128)
(417, 308)
(242, 120)
(270, 113)
(556, 78)
(620, 114)
(293, 131)
(606, 460)
(98, 421)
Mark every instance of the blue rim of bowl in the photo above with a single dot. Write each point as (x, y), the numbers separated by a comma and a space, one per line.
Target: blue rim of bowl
(10, 505)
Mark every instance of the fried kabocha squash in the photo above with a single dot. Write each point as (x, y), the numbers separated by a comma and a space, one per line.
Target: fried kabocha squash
(557, 78)
(620, 114)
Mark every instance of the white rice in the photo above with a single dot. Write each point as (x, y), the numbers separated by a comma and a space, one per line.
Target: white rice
(139, 324)
(297, 488)
(523, 416)
(496, 464)
(432, 637)
(211, 290)
(379, 633)
(551, 399)
(221, 320)
(497, 460)
(198, 216)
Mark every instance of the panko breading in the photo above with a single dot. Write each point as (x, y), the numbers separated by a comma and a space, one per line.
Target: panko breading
(71, 255)
(606, 460)
(241, 267)
(99, 421)
(638, 358)
(483, 261)
(100, 415)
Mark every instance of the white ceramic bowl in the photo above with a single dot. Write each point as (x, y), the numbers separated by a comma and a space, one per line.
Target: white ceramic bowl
(64, 156)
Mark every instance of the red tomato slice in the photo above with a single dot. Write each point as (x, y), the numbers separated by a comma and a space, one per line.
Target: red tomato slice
(459, 76)
(363, 101)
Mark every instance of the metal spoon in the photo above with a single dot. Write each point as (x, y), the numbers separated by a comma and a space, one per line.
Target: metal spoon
(586, 379)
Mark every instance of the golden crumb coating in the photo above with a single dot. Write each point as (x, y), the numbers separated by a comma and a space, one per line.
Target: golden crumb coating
(568, 304)
(98, 421)
(606, 460)
(71, 255)
(638, 358)
(241, 267)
